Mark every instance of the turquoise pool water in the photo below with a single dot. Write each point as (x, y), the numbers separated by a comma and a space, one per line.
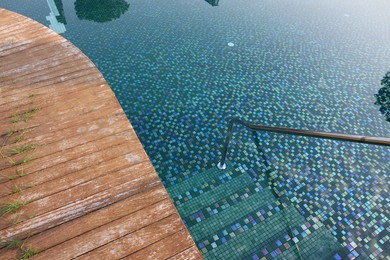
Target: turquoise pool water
(181, 69)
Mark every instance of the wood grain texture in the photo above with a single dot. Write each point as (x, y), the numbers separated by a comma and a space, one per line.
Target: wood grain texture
(71, 158)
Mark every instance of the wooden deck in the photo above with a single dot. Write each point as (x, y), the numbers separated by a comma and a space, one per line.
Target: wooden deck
(75, 181)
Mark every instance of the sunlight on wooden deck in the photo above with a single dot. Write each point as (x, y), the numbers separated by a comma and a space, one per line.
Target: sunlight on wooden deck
(74, 178)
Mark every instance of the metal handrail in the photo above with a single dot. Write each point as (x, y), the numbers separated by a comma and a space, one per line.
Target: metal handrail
(325, 135)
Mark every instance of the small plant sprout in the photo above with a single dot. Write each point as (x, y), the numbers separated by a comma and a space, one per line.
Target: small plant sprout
(12, 244)
(7, 159)
(28, 252)
(22, 149)
(11, 132)
(33, 95)
(15, 220)
(19, 173)
(10, 207)
(23, 116)
(12, 162)
(22, 161)
(18, 188)
(18, 138)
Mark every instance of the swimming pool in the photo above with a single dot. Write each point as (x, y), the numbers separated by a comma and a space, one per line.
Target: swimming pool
(182, 69)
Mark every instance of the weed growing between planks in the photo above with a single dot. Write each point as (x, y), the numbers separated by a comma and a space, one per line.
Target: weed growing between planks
(23, 116)
(11, 207)
(12, 244)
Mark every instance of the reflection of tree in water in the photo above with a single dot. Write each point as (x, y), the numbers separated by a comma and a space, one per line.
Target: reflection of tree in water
(61, 17)
(383, 97)
(213, 2)
(100, 10)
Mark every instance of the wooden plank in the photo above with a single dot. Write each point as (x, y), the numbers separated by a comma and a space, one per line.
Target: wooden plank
(69, 112)
(73, 153)
(57, 82)
(110, 232)
(96, 219)
(166, 248)
(137, 240)
(191, 253)
(65, 128)
(115, 162)
(12, 93)
(78, 208)
(36, 133)
(71, 229)
(137, 172)
(40, 40)
(51, 104)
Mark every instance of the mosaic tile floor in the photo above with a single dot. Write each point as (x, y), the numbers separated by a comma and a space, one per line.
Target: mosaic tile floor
(247, 217)
(182, 69)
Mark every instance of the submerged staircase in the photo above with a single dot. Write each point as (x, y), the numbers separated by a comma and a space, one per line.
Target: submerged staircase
(232, 216)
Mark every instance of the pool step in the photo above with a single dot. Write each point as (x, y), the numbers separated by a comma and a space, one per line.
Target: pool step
(214, 195)
(198, 180)
(310, 240)
(232, 208)
(236, 240)
(231, 217)
(318, 245)
(201, 183)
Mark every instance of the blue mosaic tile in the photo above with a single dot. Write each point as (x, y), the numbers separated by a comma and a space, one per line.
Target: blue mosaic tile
(182, 69)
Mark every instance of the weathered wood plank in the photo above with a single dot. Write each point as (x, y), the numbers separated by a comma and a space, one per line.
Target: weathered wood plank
(78, 208)
(165, 248)
(13, 92)
(51, 103)
(140, 172)
(191, 253)
(137, 240)
(36, 133)
(97, 218)
(110, 232)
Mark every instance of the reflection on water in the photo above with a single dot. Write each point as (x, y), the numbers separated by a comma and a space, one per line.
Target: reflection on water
(213, 2)
(100, 11)
(56, 17)
(383, 97)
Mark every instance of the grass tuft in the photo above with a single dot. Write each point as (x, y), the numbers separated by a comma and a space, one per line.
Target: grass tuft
(23, 116)
(12, 244)
(11, 132)
(17, 188)
(18, 138)
(15, 220)
(19, 173)
(27, 253)
(33, 95)
(7, 159)
(10, 207)
(23, 149)
(22, 161)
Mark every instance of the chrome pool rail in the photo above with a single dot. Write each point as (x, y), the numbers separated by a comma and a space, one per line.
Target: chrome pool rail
(385, 141)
